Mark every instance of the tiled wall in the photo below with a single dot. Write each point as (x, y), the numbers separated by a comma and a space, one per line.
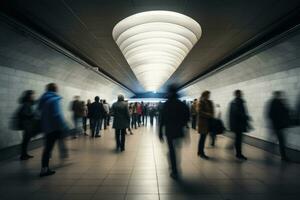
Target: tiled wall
(26, 63)
(274, 68)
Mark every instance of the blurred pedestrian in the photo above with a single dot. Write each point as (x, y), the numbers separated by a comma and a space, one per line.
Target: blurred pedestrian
(76, 108)
(29, 121)
(121, 121)
(97, 113)
(194, 113)
(84, 117)
(53, 124)
(279, 116)
(174, 116)
(106, 115)
(239, 121)
(205, 114)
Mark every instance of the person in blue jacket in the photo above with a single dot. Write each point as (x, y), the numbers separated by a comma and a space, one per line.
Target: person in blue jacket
(52, 122)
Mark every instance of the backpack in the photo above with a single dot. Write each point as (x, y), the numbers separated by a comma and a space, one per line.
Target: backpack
(16, 120)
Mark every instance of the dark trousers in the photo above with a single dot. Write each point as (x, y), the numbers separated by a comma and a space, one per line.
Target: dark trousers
(104, 122)
(139, 119)
(151, 119)
(172, 155)
(96, 126)
(201, 144)
(84, 122)
(281, 140)
(133, 120)
(213, 137)
(238, 143)
(120, 138)
(194, 117)
(49, 144)
(26, 139)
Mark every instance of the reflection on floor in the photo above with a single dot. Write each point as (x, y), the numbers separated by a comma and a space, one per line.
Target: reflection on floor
(95, 171)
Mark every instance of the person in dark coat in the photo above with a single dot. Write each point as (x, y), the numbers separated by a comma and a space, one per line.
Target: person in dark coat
(29, 122)
(238, 121)
(205, 114)
(194, 113)
(96, 114)
(121, 121)
(279, 116)
(174, 116)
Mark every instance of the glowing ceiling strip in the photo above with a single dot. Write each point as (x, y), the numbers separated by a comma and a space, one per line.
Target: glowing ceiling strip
(155, 43)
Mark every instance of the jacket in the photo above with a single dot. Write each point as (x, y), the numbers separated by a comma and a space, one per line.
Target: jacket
(121, 115)
(52, 118)
(96, 111)
(174, 117)
(278, 114)
(205, 114)
(238, 116)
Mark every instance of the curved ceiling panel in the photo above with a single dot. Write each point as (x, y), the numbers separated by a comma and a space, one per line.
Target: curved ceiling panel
(155, 43)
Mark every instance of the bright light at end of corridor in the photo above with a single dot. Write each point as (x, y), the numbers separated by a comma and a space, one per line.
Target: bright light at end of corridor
(155, 43)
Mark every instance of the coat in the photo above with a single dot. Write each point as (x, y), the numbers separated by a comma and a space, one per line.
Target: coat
(121, 115)
(278, 114)
(52, 118)
(96, 111)
(174, 117)
(205, 113)
(238, 116)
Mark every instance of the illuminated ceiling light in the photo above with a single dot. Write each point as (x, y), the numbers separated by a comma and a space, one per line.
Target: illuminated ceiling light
(155, 43)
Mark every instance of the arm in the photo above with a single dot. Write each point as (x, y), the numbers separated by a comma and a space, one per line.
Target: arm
(58, 116)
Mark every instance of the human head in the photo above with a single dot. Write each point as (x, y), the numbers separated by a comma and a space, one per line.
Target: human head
(27, 96)
(238, 93)
(278, 94)
(88, 101)
(120, 97)
(172, 91)
(97, 99)
(51, 87)
(104, 101)
(205, 95)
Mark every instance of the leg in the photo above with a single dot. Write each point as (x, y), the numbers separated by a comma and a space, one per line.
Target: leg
(117, 136)
(93, 126)
(84, 119)
(172, 156)
(238, 143)
(122, 139)
(281, 141)
(98, 128)
(201, 145)
(104, 122)
(49, 144)
(213, 139)
(25, 142)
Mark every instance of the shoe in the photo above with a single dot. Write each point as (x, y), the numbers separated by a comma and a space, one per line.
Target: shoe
(48, 172)
(86, 134)
(25, 157)
(242, 157)
(122, 150)
(98, 136)
(75, 137)
(204, 156)
(131, 133)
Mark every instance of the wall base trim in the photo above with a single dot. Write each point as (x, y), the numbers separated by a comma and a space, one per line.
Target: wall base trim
(270, 147)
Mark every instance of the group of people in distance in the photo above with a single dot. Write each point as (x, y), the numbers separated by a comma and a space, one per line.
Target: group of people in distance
(173, 116)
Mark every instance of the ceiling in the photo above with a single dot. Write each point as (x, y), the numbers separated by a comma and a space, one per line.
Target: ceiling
(84, 27)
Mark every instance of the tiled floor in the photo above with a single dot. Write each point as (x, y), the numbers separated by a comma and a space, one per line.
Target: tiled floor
(95, 171)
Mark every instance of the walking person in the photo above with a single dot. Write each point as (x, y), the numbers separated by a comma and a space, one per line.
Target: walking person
(84, 117)
(139, 111)
(28, 120)
(174, 116)
(53, 124)
(194, 113)
(205, 114)
(76, 108)
(279, 116)
(96, 114)
(106, 114)
(121, 116)
(238, 121)
(134, 115)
